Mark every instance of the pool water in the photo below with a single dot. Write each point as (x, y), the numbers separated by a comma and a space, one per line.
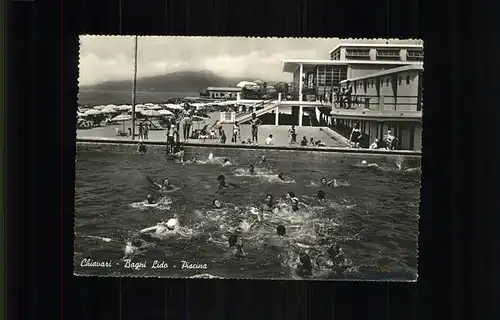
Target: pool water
(374, 219)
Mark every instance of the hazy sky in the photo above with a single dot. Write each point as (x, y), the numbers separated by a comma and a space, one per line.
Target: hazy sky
(104, 58)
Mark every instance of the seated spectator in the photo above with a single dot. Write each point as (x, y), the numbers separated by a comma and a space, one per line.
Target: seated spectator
(374, 145)
(303, 142)
(269, 140)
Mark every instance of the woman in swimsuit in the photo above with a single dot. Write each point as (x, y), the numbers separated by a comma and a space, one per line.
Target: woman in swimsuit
(355, 137)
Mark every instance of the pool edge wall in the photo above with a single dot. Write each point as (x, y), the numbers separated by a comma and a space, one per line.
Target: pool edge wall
(252, 153)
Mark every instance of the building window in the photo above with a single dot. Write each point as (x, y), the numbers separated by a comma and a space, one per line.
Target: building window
(358, 53)
(388, 54)
(415, 55)
(407, 79)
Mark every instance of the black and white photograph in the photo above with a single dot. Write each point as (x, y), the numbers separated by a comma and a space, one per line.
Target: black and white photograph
(248, 158)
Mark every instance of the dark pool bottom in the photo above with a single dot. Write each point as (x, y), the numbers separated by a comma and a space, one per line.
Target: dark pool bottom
(374, 220)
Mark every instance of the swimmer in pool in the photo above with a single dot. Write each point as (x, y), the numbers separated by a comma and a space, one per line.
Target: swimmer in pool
(280, 230)
(194, 160)
(282, 177)
(336, 255)
(333, 183)
(263, 159)
(166, 186)
(150, 199)
(295, 204)
(141, 148)
(325, 183)
(223, 184)
(217, 204)
(133, 246)
(236, 244)
(305, 265)
(269, 204)
(251, 169)
(320, 196)
(290, 195)
(365, 163)
(226, 162)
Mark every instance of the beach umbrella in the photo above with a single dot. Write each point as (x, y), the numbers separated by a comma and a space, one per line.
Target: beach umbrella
(149, 104)
(174, 106)
(111, 105)
(258, 82)
(123, 107)
(92, 112)
(140, 106)
(122, 118)
(99, 107)
(109, 109)
(153, 107)
(165, 113)
(245, 84)
(150, 113)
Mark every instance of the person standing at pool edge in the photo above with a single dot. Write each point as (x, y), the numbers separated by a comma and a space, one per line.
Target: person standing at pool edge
(255, 122)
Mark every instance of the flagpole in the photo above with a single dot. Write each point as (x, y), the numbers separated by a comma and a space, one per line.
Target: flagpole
(134, 88)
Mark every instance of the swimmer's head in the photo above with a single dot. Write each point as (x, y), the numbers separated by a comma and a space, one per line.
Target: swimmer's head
(281, 230)
(149, 196)
(172, 223)
(137, 243)
(364, 162)
(321, 195)
(211, 156)
(280, 175)
(251, 168)
(194, 159)
(166, 182)
(269, 198)
(217, 203)
(221, 178)
(295, 204)
(290, 195)
(226, 160)
(323, 181)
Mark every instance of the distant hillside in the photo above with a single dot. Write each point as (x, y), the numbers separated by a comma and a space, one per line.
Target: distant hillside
(156, 88)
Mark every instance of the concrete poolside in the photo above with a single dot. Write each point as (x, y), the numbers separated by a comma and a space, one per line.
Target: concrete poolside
(280, 134)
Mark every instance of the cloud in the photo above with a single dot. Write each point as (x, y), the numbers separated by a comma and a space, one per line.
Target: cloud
(107, 58)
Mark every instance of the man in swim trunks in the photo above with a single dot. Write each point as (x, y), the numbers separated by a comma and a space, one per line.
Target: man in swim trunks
(255, 123)
(320, 196)
(292, 135)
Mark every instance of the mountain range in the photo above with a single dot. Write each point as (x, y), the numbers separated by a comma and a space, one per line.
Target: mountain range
(156, 88)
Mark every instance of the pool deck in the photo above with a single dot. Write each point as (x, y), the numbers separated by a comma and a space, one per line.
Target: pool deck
(332, 140)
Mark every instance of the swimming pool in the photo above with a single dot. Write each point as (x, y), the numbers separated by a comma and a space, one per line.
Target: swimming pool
(374, 219)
